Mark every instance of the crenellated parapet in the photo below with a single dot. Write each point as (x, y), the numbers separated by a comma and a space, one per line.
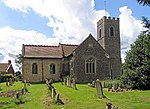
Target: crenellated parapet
(108, 19)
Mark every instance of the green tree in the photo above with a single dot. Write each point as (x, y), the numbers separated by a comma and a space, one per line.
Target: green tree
(136, 69)
(146, 23)
(144, 2)
(18, 61)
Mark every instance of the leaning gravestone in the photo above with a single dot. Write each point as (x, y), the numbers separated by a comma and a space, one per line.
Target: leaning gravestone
(99, 88)
(53, 93)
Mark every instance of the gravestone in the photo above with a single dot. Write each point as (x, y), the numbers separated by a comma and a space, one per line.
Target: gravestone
(99, 88)
(116, 86)
(17, 95)
(10, 81)
(109, 86)
(74, 83)
(103, 84)
(25, 86)
(7, 83)
(108, 105)
(93, 84)
(53, 93)
(22, 91)
(67, 81)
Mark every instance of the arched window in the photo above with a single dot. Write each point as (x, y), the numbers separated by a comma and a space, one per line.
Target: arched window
(90, 66)
(100, 33)
(34, 68)
(52, 69)
(111, 31)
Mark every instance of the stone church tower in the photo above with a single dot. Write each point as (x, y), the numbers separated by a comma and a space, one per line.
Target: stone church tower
(108, 36)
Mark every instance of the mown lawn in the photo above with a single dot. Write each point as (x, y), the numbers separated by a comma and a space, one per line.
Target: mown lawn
(83, 98)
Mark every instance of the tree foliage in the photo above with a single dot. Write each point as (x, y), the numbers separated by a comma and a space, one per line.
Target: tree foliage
(136, 69)
(144, 2)
(146, 23)
(18, 61)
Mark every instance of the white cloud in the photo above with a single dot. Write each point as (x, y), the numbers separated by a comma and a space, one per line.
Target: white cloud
(71, 21)
(130, 28)
(12, 40)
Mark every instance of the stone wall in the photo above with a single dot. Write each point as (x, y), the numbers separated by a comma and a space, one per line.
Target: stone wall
(90, 48)
(43, 69)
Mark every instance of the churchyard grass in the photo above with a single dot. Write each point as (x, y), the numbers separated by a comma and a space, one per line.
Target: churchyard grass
(84, 97)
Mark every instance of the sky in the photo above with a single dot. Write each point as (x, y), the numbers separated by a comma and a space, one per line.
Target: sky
(50, 22)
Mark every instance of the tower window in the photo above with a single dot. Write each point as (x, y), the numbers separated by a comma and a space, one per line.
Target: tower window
(100, 33)
(111, 31)
(52, 68)
(90, 65)
(34, 68)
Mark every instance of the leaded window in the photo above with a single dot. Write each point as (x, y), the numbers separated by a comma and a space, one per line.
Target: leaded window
(90, 66)
(111, 31)
(52, 68)
(34, 68)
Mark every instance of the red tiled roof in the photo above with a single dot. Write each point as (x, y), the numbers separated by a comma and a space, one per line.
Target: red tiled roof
(3, 67)
(68, 49)
(42, 51)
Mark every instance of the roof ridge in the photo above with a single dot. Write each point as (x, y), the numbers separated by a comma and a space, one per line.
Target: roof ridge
(70, 44)
(41, 45)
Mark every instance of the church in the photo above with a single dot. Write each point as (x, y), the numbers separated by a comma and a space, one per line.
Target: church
(92, 59)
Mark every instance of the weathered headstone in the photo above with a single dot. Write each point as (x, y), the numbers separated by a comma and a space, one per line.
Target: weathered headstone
(108, 105)
(115, 107)
(67, 81)
(57, 98)
(103, 84)
(74, 83)
(109, 86)
(116, 86)
(17, 95)
(25, 86)
(99, 88)
(22, 91)
(7, 83)
(93, 84)
(10, 82)
(53, 93)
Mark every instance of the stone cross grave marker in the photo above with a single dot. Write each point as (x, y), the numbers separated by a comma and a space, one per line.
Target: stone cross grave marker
(99, 88)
